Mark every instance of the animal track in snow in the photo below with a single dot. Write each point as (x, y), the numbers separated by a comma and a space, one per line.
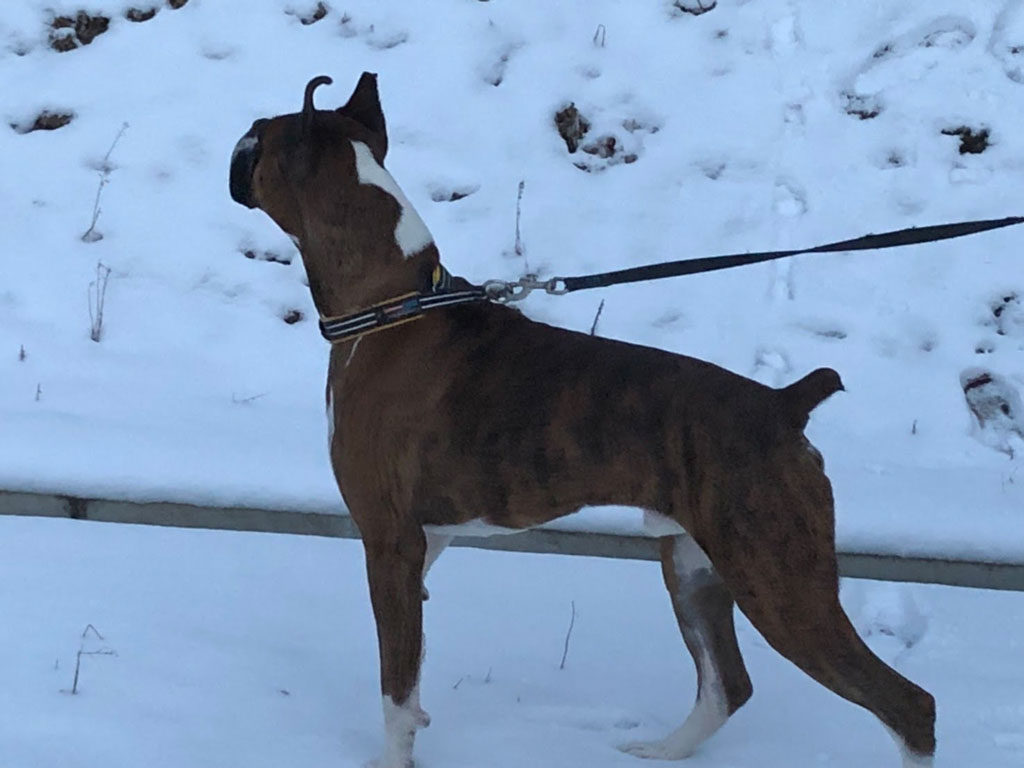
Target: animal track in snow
(270, 256)
(772, 366)
(1006, 315)
(217, 52)
(889, 159)
(906, 57)
(450, 193)
(823, 330)
(996, 405)
(866, 107)
(378, 39)
(789, 199)
(493, 72)
(691, 7)
(309, 14)
(1007, 42)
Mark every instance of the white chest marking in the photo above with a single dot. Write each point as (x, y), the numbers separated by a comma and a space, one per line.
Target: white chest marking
(411, 233)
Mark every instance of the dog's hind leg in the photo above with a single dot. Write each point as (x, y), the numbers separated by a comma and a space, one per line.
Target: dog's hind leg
(777, 556)
(395, 565)
(704, 610)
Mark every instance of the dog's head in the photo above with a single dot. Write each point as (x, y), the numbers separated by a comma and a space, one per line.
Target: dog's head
(289, 165)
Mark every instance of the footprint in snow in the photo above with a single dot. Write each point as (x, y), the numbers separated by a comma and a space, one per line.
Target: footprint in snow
(1007, 42)
(996, 406)
(906, 57)
(451, 193)
(790, 200)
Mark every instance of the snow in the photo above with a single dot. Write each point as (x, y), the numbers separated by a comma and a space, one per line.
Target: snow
(259, 650)
(740, 122)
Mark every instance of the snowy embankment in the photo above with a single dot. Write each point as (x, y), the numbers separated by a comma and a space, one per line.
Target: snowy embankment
(751, 126)
(237, 649)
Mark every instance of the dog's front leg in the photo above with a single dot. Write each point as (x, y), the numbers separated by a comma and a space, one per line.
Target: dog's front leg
(394, 565)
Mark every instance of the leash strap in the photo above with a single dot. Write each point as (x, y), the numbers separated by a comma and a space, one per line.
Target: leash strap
(895, 239)
(401, 309)
(412, 306)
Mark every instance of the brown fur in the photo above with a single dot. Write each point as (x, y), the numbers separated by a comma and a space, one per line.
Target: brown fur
(478, 412)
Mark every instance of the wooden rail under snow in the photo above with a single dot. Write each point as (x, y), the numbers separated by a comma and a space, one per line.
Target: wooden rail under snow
(860, 565)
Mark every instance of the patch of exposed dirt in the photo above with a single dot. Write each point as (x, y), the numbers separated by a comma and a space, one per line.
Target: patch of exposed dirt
(45, 121)
(572, 127)
(619, 142)
(140, 14)
(973, 141)
(67, 32)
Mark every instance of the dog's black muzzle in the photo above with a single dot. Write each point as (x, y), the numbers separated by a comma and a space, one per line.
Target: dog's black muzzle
(243, 163)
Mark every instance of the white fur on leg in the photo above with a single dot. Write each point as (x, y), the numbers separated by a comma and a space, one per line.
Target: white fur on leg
(401, 721)
(712, 708)
(708, 715)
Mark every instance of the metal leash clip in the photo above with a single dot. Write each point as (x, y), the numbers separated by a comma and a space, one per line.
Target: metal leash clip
(503, 292)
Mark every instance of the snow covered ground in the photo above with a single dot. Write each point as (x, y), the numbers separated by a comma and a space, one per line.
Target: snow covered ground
(747, 131)
(258, 650)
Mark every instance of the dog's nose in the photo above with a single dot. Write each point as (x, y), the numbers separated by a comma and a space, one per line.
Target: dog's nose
(243, 162)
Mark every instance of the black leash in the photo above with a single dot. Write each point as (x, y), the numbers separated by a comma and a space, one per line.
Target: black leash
(901, 237)
(412, 306)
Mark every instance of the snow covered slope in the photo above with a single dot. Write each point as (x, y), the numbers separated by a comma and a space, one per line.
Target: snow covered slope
(775, 123)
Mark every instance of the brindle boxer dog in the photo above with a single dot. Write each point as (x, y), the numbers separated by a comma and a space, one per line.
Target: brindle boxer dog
(478, 415)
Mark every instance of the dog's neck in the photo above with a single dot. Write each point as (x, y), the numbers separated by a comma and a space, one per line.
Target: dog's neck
(344, 279)
(366, 246)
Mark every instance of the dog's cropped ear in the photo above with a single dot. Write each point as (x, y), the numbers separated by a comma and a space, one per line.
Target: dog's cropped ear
(364, 106)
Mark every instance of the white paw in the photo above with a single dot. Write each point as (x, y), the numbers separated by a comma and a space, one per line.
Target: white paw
(420, 718)
(655, 750)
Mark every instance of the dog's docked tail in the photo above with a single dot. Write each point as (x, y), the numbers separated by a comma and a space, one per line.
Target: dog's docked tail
(803, 396)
